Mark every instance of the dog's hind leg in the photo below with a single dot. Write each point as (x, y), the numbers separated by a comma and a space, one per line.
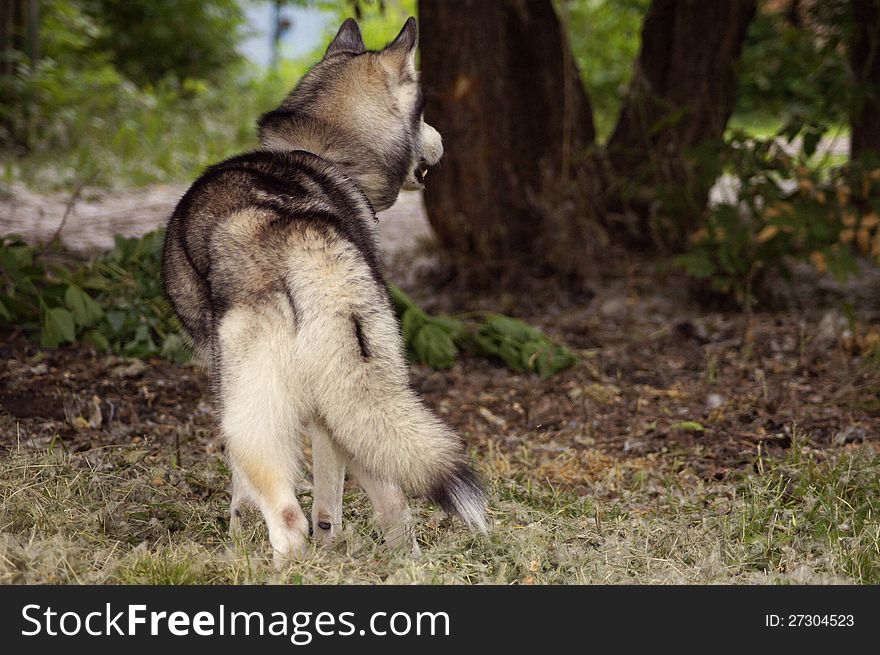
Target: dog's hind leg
(239, 496)
(273, 491)
(392, 511)
(328, 470)
(259, 419)
(264, 460)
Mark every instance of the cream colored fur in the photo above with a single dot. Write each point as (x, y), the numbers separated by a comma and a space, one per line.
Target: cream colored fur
(287, 375)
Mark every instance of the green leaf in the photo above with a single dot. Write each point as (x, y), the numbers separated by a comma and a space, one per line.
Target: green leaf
(411, 323)
(16, 256)
(511, 327)
(483, 345)
(550, 363)
(116, 319)
(434, 347)
(452, 326)
(530, 352)
(142, 345)
(696, 263)
(86, 311)
(94, 281)
(401, 301)
(811, 140)
(174, 348)
(97, 340)
(58, 327)
(510, 352)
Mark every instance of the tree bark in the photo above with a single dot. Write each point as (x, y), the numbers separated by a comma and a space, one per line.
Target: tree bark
(682, 95)
(506, 96)
(864, 56)
(13, 30)
(33, 32)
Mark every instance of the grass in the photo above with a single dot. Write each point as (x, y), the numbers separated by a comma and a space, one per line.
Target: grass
(117, 515)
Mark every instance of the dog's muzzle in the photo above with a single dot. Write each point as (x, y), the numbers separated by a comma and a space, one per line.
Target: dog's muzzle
(432, 152)
(421, 171)
(415, 179)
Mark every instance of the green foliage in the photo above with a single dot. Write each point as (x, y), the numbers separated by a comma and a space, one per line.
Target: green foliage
(797, 65)
(430, 340)
(605, 38)
(520, 346)
(98, 127)
(788, 207)
(150, 41)
(42, 297)
(75, 116)
(138, 321)
(114, 303)
(437, 340)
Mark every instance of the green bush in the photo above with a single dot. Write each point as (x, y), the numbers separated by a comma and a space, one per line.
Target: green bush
(76, 117)
(113, 303)
(149, 41)
(788, 207)
(797, 67)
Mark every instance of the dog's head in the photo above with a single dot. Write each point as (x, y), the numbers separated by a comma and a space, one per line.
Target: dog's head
(363, 110)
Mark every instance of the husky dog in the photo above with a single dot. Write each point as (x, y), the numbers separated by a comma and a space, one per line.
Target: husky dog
(271, 265)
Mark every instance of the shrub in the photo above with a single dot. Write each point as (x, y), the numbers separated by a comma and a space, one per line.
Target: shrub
(114, 303)
(787, 208)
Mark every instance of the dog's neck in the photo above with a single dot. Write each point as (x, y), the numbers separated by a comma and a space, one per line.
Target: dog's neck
(287, 130)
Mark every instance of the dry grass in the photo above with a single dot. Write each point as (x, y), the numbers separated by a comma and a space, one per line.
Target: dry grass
(109, 516)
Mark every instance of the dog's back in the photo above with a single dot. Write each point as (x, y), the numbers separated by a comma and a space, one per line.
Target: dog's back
(239, 221)
(272, 267)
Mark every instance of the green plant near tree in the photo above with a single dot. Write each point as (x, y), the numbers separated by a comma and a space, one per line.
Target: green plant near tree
(437, 340)
(795, 62)
(789, 206)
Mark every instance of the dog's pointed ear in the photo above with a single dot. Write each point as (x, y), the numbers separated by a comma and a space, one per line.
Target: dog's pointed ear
(402, 50)
(347, 39)
(408, 38)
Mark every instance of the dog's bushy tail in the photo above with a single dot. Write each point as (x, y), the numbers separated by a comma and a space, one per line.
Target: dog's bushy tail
(390, 434)
(461, 494)
(351, 352)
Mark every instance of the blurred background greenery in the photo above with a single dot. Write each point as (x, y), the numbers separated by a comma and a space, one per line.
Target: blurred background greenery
(136, 92)
(131, 92)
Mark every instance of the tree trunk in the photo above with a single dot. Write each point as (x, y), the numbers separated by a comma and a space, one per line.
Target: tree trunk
(864, 56)
(33, 32)
(13, 32)
(506, 96)
(682, 95)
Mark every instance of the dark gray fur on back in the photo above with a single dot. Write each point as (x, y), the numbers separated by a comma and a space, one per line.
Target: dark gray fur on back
(205, 272)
